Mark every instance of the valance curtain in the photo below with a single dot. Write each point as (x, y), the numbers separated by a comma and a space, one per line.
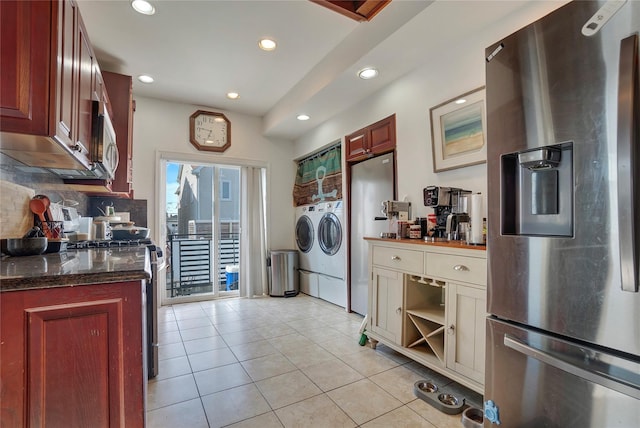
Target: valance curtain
(319, 178)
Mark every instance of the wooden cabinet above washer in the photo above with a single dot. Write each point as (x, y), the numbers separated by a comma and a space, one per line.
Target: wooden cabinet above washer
(377, 138)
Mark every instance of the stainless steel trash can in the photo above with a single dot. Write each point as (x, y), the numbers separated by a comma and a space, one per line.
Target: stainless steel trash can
(283, 273)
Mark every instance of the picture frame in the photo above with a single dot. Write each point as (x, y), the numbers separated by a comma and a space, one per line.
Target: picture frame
(458, 131)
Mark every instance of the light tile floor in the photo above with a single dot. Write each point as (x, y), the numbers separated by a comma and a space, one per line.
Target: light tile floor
(275, 362)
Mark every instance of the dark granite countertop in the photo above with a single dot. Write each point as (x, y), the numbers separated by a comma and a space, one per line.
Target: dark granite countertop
(74, 267)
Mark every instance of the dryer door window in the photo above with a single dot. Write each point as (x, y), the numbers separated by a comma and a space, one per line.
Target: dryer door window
(304, 234)
(330, 234)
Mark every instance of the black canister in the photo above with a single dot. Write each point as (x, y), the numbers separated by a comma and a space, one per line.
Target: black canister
(424, 225)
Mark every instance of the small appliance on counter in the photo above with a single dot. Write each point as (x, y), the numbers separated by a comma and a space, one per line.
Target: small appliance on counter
(102, 230)
(396, 212)
(451, 206)
(70, 221)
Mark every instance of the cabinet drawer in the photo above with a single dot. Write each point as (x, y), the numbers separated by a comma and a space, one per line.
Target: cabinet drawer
(402, 260)
(457, 268)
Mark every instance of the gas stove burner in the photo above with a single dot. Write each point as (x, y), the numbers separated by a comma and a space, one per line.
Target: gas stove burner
(81, 245)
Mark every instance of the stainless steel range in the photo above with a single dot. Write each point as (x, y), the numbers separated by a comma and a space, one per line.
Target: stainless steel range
(155, 256)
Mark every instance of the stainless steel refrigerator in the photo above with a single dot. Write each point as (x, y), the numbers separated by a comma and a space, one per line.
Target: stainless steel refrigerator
(372, 181)
(563, 337)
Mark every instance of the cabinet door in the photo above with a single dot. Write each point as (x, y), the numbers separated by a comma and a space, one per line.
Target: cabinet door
(466, 330)
(61, 389)
(386, 304)
(375, 139)
(85, 94)
(357, 144)
(382, 136)
(67, 77)
(25, 28)
(120, 90)
(73, 356)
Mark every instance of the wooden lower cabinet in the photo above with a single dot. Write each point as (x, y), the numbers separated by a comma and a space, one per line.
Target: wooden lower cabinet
(466, 314)
(73, 356)
(429, 303)
(386, 307)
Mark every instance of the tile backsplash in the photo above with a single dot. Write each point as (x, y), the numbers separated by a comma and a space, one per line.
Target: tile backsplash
(42, 181)
(137, 208)
(18, 183)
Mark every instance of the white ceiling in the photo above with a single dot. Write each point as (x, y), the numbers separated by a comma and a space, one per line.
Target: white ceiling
(197, 51)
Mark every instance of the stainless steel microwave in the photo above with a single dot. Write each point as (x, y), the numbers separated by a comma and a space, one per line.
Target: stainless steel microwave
(103, 152)
(104, 148)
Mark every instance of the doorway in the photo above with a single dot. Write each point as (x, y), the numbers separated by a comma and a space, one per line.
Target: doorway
(203, 224)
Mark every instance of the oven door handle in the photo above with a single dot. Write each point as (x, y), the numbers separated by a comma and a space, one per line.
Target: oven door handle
(607, 381)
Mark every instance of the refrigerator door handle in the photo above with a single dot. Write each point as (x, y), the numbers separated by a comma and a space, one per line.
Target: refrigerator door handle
(628, 111)
(606, 381)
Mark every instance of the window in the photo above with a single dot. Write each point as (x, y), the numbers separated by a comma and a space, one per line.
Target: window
(225, 193)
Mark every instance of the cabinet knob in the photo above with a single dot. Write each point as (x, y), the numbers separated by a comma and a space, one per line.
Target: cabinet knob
(78, 147)
(395, 258)
(399, 311)
(461, 268)
(451, 330)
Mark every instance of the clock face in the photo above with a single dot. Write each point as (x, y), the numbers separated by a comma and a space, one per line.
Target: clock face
(210, 131)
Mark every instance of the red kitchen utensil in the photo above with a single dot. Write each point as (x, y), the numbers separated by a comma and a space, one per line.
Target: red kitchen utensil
(47, 204)
(38, 207)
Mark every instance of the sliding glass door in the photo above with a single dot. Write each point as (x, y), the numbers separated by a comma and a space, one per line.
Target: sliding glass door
(203, 203)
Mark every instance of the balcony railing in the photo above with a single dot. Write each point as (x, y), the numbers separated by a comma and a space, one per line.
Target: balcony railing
(192, 258)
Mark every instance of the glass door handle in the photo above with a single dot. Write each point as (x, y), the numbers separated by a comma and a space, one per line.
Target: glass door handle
(571, 368)
(628, 154)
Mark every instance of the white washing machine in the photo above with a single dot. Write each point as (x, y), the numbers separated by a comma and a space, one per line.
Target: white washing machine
(330, 239)
(332, 285)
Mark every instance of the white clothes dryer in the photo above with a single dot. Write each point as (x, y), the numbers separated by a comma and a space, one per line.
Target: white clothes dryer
(330, 234)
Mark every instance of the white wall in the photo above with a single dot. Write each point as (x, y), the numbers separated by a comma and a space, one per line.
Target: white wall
(451, 70)
(164, 126)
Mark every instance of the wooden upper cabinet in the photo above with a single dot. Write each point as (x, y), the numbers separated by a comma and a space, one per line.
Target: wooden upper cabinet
(120, 90)
(375, 139)
(85, 86)
(27, 52)
(44, 53)
(67, 76)
(383, 135)
(357, 144)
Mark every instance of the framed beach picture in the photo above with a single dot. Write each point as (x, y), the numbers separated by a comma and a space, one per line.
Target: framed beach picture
(458, 131)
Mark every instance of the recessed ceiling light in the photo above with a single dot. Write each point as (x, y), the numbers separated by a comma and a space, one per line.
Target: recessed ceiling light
(233, 95)
(303, 117)
(367, 73)
(145, 79)
(460, 101)
(143, 7)
(267, 44)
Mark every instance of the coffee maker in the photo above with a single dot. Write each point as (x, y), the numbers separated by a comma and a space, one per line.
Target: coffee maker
(450, 205)
(396, 209)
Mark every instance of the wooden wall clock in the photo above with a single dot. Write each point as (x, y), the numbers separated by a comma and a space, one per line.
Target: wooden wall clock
(209, 131)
